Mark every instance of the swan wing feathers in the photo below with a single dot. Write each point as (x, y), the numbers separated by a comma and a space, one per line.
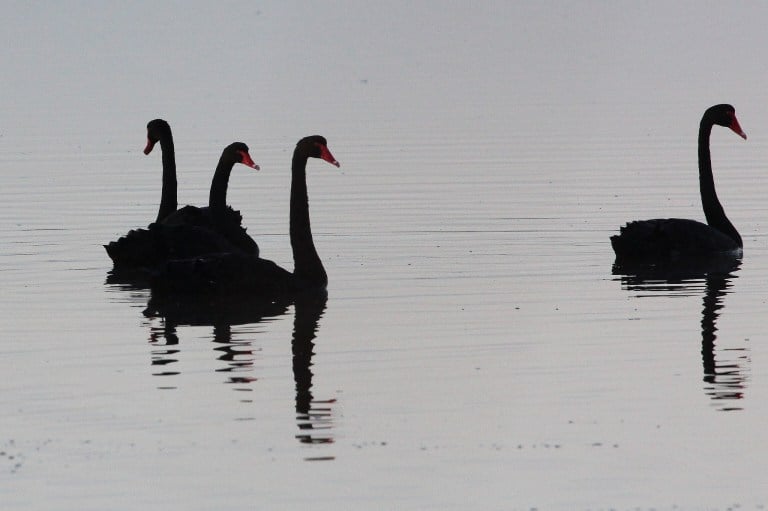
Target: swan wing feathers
(669, 237)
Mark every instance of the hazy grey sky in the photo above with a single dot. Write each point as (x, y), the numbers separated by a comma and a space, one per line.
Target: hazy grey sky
(108, 66)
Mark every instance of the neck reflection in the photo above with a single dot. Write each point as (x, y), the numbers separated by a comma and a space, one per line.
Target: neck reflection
(314, 418)
(725, 371)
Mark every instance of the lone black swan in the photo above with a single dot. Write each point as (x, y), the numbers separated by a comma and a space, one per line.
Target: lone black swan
(675, 238)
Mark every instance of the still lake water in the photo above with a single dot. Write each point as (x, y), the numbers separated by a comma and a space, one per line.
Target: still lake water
(475, 350)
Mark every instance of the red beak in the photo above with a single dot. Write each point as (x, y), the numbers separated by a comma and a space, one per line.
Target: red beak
(150, 145)
(246, 160)
(737, 128)
(326, 155)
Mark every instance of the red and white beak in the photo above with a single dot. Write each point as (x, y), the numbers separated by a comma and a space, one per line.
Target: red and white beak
(326, 155)
(246, 160)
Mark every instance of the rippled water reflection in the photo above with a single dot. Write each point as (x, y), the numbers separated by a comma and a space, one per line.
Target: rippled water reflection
(725, 368)
(235, 324)
(476, 348)
(474, 328)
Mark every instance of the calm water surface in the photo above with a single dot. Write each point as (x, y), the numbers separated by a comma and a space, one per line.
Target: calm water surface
(474, 345)
(475, 349)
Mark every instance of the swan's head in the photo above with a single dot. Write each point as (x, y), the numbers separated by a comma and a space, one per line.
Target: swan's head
(156, 130)
(725, 115)
(316, 146)
(237, 152)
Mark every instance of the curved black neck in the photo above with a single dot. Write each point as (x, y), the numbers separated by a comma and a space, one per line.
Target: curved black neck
(308, 268)
(713, 210)
(168, 201)
(217, 200)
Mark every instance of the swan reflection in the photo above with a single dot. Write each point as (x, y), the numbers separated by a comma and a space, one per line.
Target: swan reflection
(314, 417)
(220, 313)
(164, 338)
(725, 370)
(235, 346)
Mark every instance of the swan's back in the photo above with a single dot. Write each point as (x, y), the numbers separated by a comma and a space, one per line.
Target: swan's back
(147, 249)
(224, 273)
(669, 238)
(224, 230)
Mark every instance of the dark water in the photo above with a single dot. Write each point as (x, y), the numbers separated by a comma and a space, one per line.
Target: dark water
(475, 350)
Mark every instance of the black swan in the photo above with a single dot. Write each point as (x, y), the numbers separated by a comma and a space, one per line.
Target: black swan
(159, 130)
(218, 227)
(666, 239)
(190, 231)
(137, 248)
(236, 271)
